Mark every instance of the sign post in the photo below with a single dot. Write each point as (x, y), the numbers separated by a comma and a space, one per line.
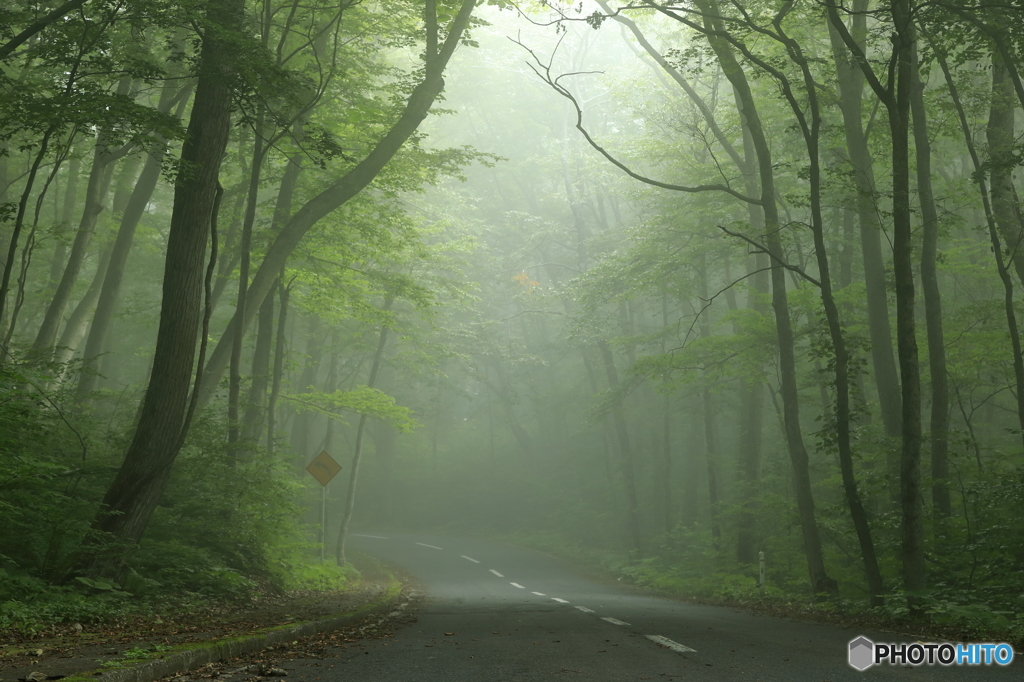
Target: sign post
(323, 468)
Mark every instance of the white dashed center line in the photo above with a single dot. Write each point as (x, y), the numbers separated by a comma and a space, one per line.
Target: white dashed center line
(496, 573)
(539, 594)
(517, 585)
(423, 544)
(584, 609)
(469, 558)
(560, 601)
(613, 621)
(669, 644)
(377, 537)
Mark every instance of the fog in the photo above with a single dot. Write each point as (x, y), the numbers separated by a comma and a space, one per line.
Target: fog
(584, 304)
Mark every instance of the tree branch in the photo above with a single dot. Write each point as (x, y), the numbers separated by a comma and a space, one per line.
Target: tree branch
(764, 249)
(543, 72)
(15, 42)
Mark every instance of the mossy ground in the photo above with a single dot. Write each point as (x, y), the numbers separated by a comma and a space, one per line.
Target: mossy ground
(77, 655)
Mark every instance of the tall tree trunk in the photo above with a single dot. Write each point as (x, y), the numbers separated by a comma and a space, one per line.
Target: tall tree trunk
(4, 188)
(895, 96)
(255, 415)
(522, 436)
(709, 414)
(384, 437)
(939, 422)
(665, 470)
(665, 473)
(751, 391)
(606, 428)
(339, 192)
(244, 249)
(1005, 209)
(820, 581)
(12, 244)
(357, 455)
(60, 251)
(751, 411)
(142, 477)
(979, 176)
(100, 175)
(851, 98)
(711, 460)
(134, 209)
(811, 129)
(314, 355)
(914, 573)
(625, 451)
(78, 321)
(278, 374)
(1002, 162)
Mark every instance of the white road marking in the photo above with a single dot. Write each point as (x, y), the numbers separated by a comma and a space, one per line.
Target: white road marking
(560, 601)
(378, 537)
(423, 544)
(668, 643)
(584, 609)
(496, 573)
(539, 594)
(469, 558)
(613, 621)
(517, 585)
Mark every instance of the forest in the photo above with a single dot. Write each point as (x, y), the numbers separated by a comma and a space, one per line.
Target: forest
(663, 287)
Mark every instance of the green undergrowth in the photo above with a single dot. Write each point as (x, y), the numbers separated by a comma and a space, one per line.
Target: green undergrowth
(226, 532)
(107, 607)
(43, 607)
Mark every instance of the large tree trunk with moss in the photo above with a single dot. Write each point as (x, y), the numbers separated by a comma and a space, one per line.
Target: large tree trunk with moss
(143, 475)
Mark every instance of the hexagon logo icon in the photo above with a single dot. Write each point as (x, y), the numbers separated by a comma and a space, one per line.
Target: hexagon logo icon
(862, 653)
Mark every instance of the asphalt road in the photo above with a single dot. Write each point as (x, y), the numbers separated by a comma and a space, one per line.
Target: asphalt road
(494, 612)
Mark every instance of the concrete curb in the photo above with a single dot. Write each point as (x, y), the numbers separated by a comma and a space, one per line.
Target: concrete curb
(183, 661)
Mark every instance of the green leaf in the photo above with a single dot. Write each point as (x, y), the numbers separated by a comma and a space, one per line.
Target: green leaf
(361, 400)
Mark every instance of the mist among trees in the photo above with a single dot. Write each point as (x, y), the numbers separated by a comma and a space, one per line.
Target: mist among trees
(659, 286)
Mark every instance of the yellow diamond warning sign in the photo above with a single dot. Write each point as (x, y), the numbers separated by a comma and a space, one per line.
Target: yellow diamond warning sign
(323, 468)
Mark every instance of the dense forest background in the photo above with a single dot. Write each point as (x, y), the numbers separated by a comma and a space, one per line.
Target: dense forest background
(660, 287)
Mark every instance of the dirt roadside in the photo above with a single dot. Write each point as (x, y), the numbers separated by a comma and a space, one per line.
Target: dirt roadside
(98, 650)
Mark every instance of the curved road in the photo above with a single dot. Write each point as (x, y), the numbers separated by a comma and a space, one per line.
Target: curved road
(496, 612)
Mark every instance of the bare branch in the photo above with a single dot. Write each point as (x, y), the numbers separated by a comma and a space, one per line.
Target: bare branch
(543, 71)
(764, 249)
